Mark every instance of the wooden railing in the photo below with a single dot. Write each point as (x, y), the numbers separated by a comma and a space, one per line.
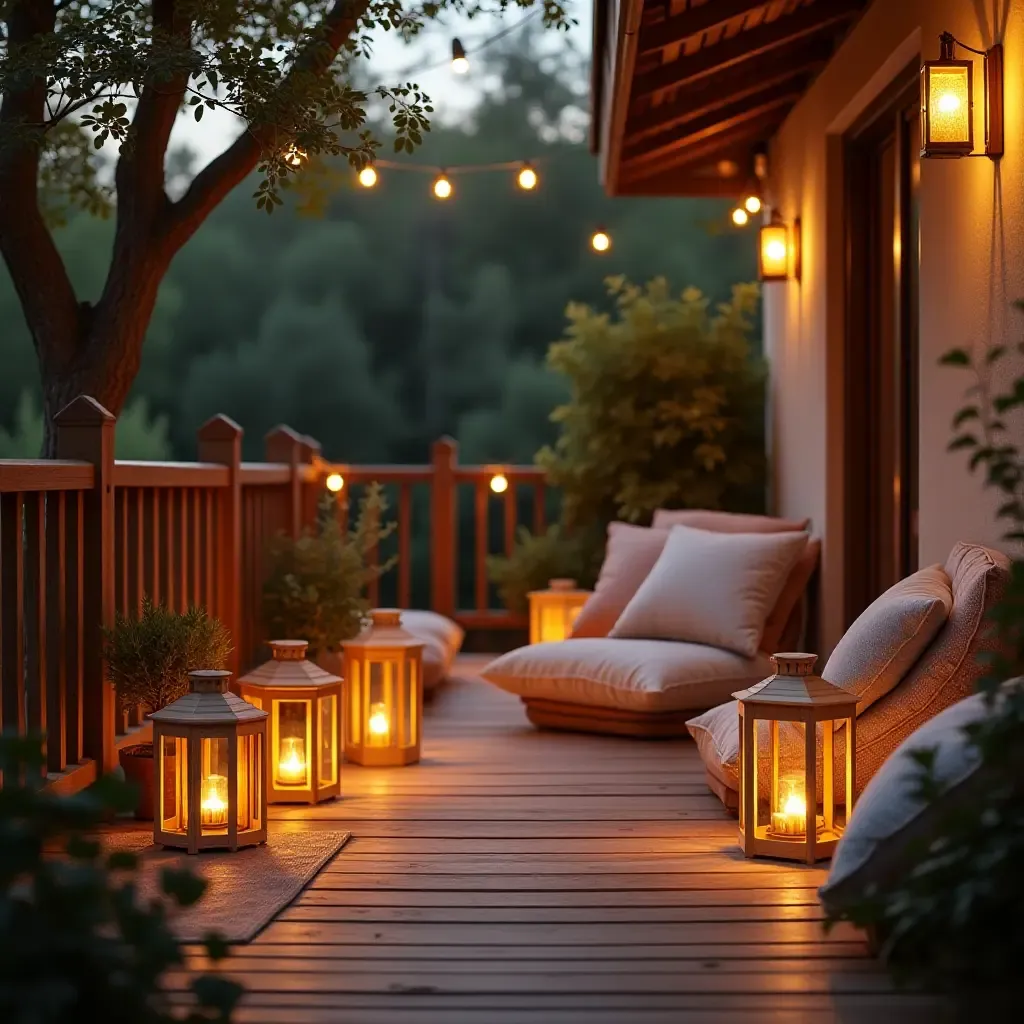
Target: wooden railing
(86, 535)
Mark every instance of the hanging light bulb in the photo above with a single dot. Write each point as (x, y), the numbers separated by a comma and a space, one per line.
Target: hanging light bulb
(752, 204)
(600, 240)
(295, 156)
(527, 178)
(740, 217)
(460, 63)
(368, 177)
(442, 186)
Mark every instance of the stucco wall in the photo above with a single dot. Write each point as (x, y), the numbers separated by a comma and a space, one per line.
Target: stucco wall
(971, 267)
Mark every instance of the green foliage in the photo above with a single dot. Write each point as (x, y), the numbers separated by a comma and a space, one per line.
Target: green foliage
(136, 436)
(666, 406)
(149, 657)
(957, 920)
(316, 585)
(554, 554)
(78, 942)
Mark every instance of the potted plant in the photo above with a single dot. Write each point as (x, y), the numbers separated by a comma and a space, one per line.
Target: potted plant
(316, 584)
(148, 661)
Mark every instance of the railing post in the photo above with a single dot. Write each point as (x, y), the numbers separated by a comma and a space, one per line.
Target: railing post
(444, 457)
(311, 488)
(283, 444)
(85, 433)
(220, 441)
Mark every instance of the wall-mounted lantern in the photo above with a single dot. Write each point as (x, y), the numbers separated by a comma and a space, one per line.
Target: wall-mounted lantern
(947, 101)
(778, 250)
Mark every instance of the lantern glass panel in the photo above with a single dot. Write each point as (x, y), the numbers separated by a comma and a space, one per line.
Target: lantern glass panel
(250, 782)
(173, 775)
(774, 252)
(328, 740)
(291, 734)
(949, 104)
(213, 785)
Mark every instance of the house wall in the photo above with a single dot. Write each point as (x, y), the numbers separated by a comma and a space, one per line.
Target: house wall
(971, 270)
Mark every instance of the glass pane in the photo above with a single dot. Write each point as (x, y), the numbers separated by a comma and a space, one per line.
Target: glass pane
(213, 791)
(249, 779)
(292, 734)
(553, 623)
(380, 707)
(328, 743)
(173, 769)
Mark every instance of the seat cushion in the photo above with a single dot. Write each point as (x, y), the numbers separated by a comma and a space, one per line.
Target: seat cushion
(712, 588)
(888, 637)
(442, 641)
(634, 675)
(947, 672)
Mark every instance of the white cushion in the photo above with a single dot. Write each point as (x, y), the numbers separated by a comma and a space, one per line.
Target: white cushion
(442, 640)
(712, 588)
(888, 821)
(635, 675)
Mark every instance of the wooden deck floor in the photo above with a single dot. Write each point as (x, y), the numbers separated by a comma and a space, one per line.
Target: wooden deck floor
(516, 876)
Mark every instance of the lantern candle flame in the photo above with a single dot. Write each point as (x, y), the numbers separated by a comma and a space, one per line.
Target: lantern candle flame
(379, 725)
(214, 803)
(291, 764)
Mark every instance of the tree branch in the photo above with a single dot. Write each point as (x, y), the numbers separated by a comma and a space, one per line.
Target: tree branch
(229, 169)
(36, 268)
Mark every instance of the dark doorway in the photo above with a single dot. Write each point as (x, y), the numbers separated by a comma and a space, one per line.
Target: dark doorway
(882, 157)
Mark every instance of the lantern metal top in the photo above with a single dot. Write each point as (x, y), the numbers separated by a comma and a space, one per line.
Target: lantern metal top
(563, 586)
(289, 666)
(385, 631)
(208, 702)
(795, 685)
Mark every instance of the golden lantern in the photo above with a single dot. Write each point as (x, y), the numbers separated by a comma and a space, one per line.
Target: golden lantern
(788, 825)
(553, 611)
(384, 700)
(774, 251)
(304, 704)
(211, 767)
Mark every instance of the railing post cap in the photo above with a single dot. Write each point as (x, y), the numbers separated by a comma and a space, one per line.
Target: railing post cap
(220, 428)
(84, 411)
(282, 430)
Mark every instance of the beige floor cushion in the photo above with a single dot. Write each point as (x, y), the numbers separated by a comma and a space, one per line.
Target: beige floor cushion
(633, 675)
(712, 588)
(889, 822)
(947, 672)
(442, 641)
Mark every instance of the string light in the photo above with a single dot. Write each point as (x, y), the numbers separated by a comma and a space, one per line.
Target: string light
(600, 240)
(460, 63)
(527, 178)
(740, 217)
(335, 482)
(368, 177)
(752, 204)
(295, 156)
(442, 186)
(499, 483)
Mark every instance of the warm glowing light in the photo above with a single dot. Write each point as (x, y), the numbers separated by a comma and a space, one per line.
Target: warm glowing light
(740, 216)
(213, 805)
(499, 483)
(794, 804)
(379, 725)
(367, 177)
(774, 252)
(442, 187)
(460, 64)
(295, 156)
(949, 103)
(600, 241)
(527, 178)
(752, 204)
(335, 482)
(291, 762)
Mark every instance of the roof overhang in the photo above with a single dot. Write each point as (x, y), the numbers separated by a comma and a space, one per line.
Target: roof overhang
(684, 92)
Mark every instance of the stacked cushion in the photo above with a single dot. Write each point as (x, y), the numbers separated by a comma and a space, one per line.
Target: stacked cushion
(442, 640)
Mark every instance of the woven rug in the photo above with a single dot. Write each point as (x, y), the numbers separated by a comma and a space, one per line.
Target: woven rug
(247, 889)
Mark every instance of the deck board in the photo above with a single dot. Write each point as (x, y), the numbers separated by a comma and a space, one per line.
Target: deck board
(518, 877)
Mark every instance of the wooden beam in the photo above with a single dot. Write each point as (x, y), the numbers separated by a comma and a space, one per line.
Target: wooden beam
(694, 21)
(746, 46)
(719, 123)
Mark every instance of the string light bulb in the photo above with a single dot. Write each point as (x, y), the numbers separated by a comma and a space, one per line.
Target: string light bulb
(335, 482)
(368, 177)
(600, 240)
(499, 483)
(460, 63)
(442, 186)
(295, 156)
(740, 217)
(527, 178)
(752, 204)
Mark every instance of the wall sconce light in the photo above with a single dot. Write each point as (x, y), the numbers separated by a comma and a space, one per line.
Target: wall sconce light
(947, 102)
(778, 251)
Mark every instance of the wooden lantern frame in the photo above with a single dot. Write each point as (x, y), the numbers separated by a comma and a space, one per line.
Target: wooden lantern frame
(289, 677)
(562, 596)
(209, 713)
(383, 675)
(794, 694)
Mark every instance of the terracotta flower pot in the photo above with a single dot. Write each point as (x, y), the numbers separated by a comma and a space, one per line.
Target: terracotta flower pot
(139, 764)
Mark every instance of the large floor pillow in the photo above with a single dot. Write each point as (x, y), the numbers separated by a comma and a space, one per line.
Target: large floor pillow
(442, 641)
(620, 686)
(910, 685)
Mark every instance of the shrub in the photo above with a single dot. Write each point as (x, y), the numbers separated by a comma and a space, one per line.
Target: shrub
(666, 408)
(957, 920)
(78, 943)
(316, 585)
(149, 658)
